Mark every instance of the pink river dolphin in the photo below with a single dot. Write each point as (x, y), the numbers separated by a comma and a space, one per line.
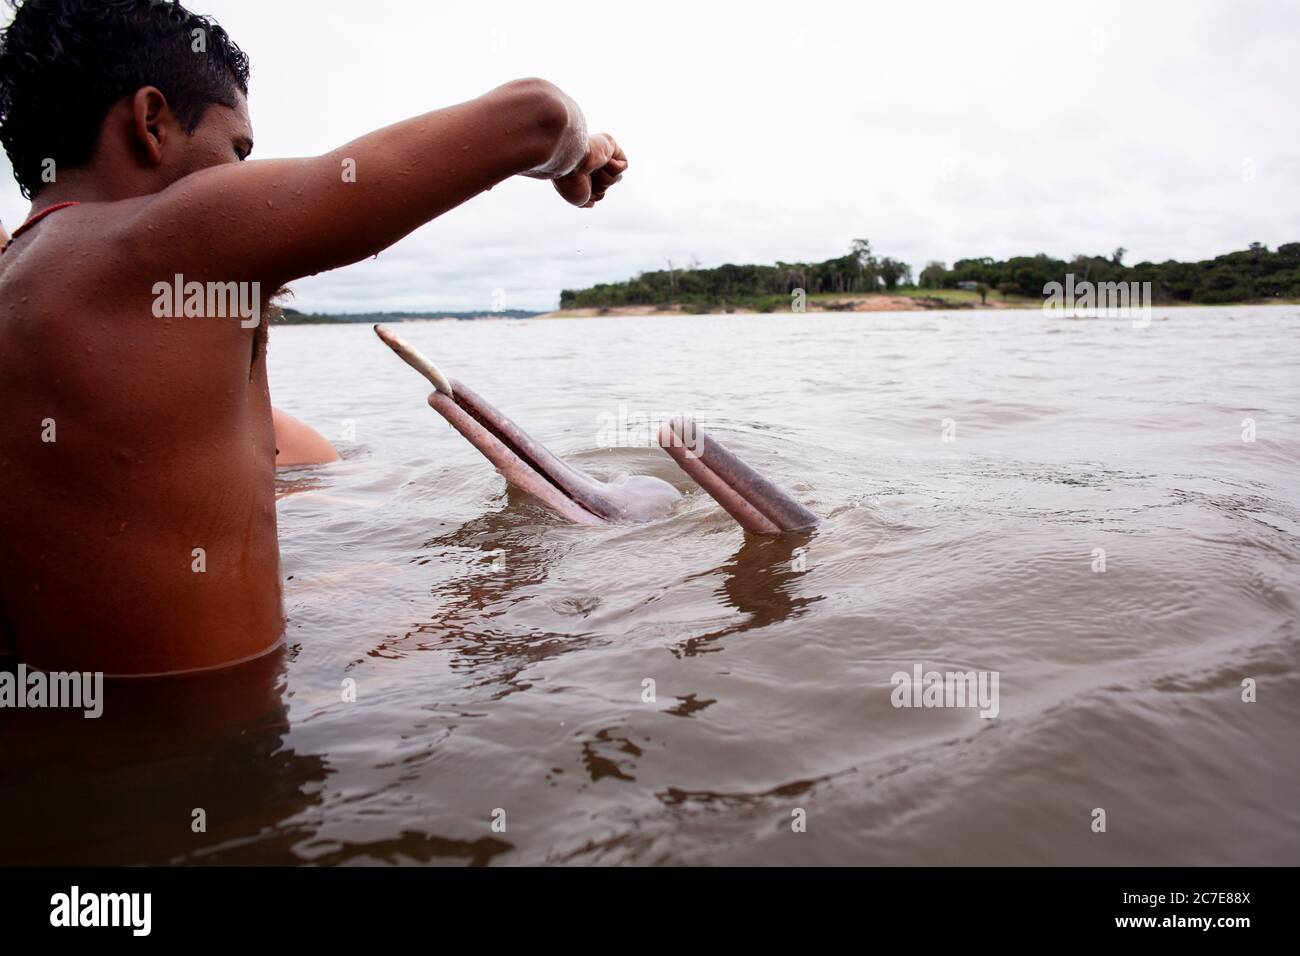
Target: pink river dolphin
(758, 505)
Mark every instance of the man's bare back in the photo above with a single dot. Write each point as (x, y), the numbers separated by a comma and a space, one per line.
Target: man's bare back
(137, 464)
(137, 445)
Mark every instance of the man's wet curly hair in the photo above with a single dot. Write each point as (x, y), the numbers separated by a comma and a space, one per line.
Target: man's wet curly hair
(64, 63)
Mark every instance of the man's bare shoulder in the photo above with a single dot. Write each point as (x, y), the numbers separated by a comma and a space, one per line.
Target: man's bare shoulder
(87, 240)
(84, 237)
(80, 292)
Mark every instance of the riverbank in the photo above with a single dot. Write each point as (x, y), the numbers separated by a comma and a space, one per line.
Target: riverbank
(902, 300)
(910, 300)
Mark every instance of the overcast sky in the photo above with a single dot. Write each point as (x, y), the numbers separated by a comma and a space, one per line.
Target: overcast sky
(765, 130)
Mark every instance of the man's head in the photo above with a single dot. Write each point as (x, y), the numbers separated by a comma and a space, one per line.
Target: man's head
(143, 84)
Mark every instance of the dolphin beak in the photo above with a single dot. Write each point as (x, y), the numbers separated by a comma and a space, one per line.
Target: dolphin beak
(414, 358)
(524, 461)
(757, 504)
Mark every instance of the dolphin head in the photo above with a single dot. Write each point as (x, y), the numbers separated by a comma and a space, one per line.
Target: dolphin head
(530, 466)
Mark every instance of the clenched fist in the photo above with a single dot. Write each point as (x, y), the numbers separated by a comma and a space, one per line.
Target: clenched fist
(600, 168)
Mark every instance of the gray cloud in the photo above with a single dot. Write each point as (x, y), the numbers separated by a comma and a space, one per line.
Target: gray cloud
(756, 133)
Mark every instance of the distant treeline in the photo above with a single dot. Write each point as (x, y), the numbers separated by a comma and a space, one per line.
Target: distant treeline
(861, 271)
(1255, 273)
(294, 317)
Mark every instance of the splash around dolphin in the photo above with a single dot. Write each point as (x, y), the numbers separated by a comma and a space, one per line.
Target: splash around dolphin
(757, 505)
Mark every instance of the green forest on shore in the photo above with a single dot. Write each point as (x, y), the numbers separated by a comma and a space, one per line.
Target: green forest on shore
(1253, 274)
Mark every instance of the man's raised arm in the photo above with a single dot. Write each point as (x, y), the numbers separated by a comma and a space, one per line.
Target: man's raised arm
(278, 220)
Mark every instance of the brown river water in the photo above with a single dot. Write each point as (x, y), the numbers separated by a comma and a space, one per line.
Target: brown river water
(500, 659)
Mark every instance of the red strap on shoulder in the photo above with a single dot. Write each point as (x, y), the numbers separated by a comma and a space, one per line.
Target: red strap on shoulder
(37, 218)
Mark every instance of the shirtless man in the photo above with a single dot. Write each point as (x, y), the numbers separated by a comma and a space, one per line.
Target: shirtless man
(137, 444)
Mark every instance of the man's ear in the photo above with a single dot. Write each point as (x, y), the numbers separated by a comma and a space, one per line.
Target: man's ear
(152, 122)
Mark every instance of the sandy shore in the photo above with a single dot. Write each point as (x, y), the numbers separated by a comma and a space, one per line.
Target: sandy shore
(846, 303)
